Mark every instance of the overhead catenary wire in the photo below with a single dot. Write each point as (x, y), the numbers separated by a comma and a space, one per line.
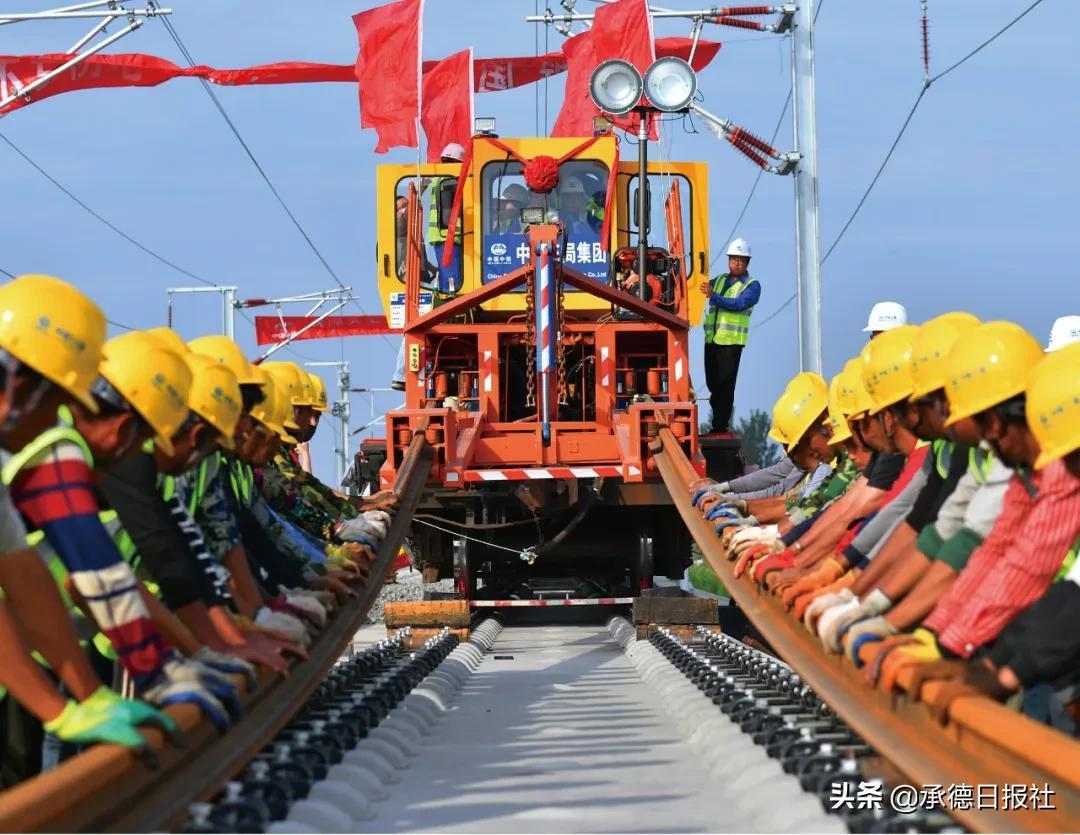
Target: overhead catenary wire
(927, 83)
(171, 29)
(75, 198)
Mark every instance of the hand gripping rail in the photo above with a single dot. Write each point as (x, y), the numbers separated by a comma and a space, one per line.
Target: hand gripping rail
(110, 789)
(983, 743)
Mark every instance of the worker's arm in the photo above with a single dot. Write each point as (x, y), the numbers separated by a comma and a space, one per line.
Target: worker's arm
(1042, 644)
(34, 602)
(21, 675)
(246, 593)
(898, 550)
(921, 600)
(747, 298)
(767, 511)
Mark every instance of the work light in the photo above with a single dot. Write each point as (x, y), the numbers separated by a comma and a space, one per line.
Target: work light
(615, 86)
(670, 84)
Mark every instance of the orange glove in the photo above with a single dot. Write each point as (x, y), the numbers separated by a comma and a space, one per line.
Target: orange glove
(819, 578)
(750, 556)
(882, 650)
(803, 601)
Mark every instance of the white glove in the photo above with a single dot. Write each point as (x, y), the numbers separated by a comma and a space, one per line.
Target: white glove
(292, 627)
(380, 519)
(362, 529)
(829, 624)
(308, 605)
(223, 662)
(822, 604)
(874, 604)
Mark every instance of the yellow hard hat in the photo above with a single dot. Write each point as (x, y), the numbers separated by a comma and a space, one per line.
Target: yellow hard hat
(936, 338)
(320, 403)
(802, 402)
(215, 397)
(170, 339)
(886, 370)
(837, 420)
(224, 350)
(266, 411)
(860, 397)
(990, 365)
(285, 414)
(1053, 404)
(292, 377)
(155, 382)
(55, 330)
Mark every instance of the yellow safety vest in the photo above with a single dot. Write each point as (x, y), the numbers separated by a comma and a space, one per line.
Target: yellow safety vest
(727, 327)
(436, 233)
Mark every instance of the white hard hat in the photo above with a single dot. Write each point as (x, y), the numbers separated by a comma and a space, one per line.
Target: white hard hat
(453, 151)
(884, 316)
(571, 185)
(1064, 331)
(739, 247)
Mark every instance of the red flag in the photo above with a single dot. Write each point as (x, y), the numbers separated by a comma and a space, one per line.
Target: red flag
(447, 115)
(388, 69)
(269, 329)
(620, 30)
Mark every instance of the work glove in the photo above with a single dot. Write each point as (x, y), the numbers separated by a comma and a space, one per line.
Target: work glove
(957, 679)
(754, 553)
(860, 633)
(725, 522)
(871, 605)
(308, 606)
(824, 603)
(186, 680)
(369, 527)
(743, 539)
(383, 500)
(288, 625)
(924, 649)
(108, 701)
(79, 723)
(704, 490)
(827, 624)
(776, 562)
(721, 510)
(824, 574)
(231, 665)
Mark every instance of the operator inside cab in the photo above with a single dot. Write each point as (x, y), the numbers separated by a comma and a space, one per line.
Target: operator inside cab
(450, 275)
(732, 296)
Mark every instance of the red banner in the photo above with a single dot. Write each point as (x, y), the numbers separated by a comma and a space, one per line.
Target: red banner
(137, 70)
(448, 94)
(269, 329)
(388, 69)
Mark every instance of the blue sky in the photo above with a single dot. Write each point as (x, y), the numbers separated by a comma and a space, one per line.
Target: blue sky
(976, 210)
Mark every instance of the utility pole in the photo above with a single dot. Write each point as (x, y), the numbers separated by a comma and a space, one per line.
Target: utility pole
(340, 409)
(807, 238)
(228, 303)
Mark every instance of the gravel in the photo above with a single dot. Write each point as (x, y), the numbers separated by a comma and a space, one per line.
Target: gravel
(408, 587)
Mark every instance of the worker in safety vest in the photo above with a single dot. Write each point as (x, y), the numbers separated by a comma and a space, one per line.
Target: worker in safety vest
(51, 337)
(884, 316)
(515, 197)
(141, 392)
(732, 296)
(988, 373)
(450, 275)
(1037, 651)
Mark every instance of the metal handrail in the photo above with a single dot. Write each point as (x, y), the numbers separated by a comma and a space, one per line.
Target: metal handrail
(983, 743)
(110, 789)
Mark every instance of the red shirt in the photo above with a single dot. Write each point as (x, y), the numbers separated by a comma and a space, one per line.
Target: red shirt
(1016, 563)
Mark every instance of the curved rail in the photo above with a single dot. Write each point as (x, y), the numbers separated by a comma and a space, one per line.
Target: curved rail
(110, 789)
(984, 742)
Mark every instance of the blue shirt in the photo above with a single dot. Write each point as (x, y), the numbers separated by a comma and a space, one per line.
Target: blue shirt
(747, 298)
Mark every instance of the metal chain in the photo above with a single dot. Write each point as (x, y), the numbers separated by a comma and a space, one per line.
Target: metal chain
(530, 341)
(560, 352)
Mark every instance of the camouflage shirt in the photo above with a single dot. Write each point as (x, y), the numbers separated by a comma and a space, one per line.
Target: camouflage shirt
(832, 488)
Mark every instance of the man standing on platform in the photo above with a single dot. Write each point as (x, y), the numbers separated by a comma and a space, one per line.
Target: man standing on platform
(732, 296)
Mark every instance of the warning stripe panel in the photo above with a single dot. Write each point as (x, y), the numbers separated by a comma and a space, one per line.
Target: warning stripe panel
(592, 601)
(544, 472)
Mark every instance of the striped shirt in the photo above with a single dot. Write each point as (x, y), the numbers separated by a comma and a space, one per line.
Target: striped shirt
(1016, 563)
(54, 491)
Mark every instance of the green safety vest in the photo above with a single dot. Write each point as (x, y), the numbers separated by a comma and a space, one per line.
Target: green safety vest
(725, 327)
(36, 539)
(942, 456)
(980, 463)
(436, 233)
(1069, 561)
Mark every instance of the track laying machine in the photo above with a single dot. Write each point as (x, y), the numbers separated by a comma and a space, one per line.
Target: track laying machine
(540, 370)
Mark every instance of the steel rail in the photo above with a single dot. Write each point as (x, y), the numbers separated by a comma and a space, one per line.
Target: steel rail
(983, 743)
(110, 789)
